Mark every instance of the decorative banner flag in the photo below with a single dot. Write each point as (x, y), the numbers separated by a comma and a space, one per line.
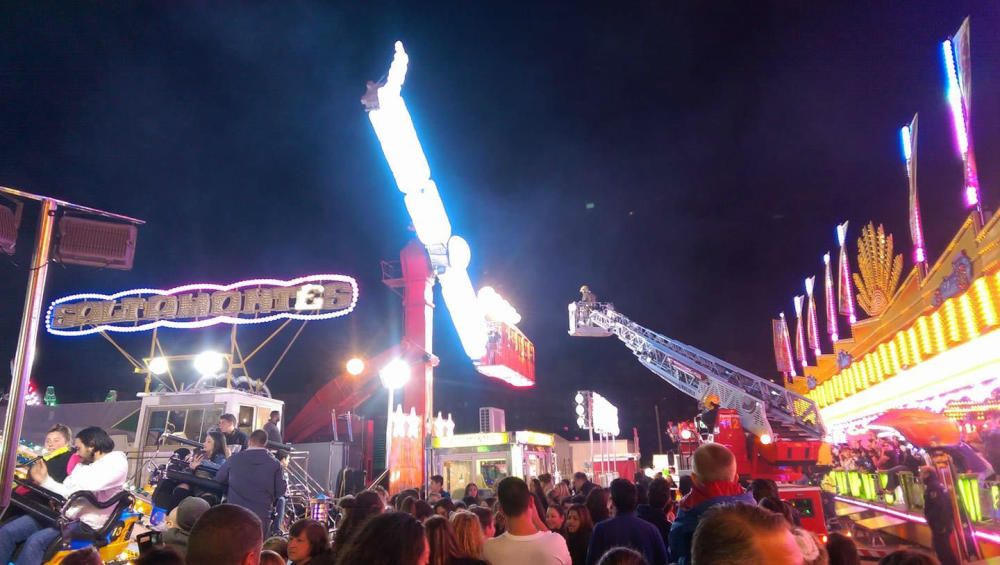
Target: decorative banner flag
(812, 321)
(782, 347)
(831, 305)
(800, 338)
(909, 139)
(844, 290)
(958, 69)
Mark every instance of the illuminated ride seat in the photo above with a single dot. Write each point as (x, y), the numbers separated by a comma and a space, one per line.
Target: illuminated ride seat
(51, 509)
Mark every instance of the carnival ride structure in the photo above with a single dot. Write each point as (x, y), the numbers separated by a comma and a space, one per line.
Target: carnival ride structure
(785, 428)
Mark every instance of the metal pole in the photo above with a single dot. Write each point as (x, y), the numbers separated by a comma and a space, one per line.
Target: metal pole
(25, 355)
(388, 434)
(659, 430)
(593, 471)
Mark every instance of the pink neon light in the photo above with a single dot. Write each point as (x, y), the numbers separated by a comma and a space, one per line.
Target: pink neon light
(788, 344)
(844, 277)
(812, 329)
(208, 321)
(831, 305)
(890, 511)
(800, 338)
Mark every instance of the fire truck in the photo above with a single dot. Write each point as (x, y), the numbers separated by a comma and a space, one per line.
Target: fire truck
(774, 433)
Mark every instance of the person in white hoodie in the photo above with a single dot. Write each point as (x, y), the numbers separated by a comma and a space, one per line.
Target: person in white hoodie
(102, 470)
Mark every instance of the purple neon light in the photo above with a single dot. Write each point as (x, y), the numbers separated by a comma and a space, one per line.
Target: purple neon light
(916, 226)
(831, 305)
(991, 537)
(890, 511)
(846, 293)
(208, 321)
(954, 95)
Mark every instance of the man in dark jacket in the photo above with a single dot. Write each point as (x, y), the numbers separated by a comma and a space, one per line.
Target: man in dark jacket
(254, 479)
(581, 484)
(234, 436)
(940, 516)
(713, 477)
(626, 529)
(655, 512)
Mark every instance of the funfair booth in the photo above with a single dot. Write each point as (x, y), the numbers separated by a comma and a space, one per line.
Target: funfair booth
(930, 343)
(485, 458)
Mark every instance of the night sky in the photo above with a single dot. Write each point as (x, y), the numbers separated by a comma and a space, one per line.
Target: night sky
(719, 143)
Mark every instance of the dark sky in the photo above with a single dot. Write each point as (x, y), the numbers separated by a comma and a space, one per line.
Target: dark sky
(720, 143)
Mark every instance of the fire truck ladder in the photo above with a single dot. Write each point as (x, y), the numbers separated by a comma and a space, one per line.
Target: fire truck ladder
(764, 407)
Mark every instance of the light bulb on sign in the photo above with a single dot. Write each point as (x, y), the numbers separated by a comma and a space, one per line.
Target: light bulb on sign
(579, 410)
(158, 365)
(579, 398)
(209, 363)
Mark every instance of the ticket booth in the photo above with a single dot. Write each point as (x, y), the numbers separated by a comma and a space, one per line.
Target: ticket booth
(485, 458)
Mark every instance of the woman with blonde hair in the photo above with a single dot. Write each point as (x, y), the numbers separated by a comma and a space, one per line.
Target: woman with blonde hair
(442, 544)
(468, 534)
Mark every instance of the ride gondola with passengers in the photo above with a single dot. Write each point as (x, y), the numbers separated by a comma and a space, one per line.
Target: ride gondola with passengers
(49, 517)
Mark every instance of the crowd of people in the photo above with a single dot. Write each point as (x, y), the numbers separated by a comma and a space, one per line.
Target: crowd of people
(708, 518)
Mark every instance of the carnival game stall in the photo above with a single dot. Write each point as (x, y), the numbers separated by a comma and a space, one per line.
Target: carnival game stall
(485, 458)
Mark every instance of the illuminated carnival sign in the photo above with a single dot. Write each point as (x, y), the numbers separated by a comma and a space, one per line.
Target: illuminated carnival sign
(315, 297)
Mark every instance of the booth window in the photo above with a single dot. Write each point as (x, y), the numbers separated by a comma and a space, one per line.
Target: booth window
(245, 419)
(191, 423)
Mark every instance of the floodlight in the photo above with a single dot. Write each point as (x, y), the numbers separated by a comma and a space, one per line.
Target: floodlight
(685, 434)
(765, 439)
(395, 374)
(209, 363)
(355, 366)
(158, 365)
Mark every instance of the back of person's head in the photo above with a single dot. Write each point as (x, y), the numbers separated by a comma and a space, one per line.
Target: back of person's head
(407, 505)
(685, 484)
(778, 506)
(189, 510)
(392, 538)
(440, 539)
(597, 504)
(422, 510)
(258, 438)
(366, 505)
(713, 462)
(468, 534)
(741, 534)
(225, 535)
(908, 557)
(623, 495)
(402, 495)
(96, 439)
(514, 496)
(163, 555)
(813, 552)
(268, 557)
(485, 516)
(659, 493)
(85, 556)
(278, 545)
(579, 476)
(622, 556)
(841, 550)
(763, 488)
(315, 533)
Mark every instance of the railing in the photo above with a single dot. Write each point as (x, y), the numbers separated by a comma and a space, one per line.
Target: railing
(980, 499)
